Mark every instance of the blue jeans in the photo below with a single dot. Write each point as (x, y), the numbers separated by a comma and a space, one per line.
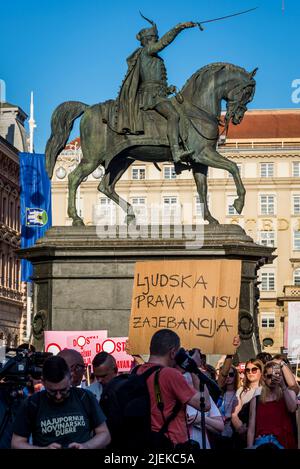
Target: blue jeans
(266, 439)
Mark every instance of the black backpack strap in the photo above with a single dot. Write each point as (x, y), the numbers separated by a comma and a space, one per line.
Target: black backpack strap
(160, 405)
(148, 372)
(134, 370)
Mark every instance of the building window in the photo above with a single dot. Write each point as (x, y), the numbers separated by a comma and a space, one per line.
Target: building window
(140, 209)
(199, 206)
(297, 277)
(105, 211)
(296, 241)
(138, 201)
(79, 205)
(267, 238)
(268, 342)
(267, 319)
(169, 172)
(4, 209)
(171, 209)
(239, 165)
(3, 282)
(296, 204)
(267, 204)
(230, 208)
(267, 281)
(266, 170)
(138, 173)
(296, 169)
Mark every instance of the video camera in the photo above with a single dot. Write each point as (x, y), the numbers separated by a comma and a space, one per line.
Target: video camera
(17, 369)
(185, 361)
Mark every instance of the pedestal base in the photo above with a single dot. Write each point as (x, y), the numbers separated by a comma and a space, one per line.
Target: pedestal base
(83, 282)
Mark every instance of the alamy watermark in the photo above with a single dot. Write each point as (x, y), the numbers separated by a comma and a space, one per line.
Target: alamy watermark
(154, 221)
(296, 93)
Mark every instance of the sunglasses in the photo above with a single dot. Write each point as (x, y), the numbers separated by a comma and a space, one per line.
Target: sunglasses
(252, 370)
(231, 374)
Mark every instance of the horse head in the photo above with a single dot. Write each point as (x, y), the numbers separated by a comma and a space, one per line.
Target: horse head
(239, 95)
(221, 81)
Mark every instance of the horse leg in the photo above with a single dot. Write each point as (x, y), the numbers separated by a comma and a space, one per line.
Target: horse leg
(200, 176)
(211, 157)
(75, 179)
(107, 186)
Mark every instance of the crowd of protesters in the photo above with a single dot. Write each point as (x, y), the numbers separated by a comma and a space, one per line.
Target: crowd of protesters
(253, 407)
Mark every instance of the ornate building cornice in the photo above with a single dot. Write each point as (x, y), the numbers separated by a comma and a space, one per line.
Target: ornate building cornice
(9, 236)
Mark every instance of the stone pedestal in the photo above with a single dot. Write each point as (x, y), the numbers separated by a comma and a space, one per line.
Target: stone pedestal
(83, 282)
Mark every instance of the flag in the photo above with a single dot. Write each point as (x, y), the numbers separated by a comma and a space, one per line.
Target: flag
(36, 216)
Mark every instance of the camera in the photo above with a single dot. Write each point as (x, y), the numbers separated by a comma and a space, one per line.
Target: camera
(17, 369)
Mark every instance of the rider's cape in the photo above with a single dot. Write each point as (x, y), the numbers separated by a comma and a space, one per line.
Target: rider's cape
(127, 112)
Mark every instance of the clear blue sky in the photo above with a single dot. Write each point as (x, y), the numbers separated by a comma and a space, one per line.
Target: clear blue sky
(76, 50)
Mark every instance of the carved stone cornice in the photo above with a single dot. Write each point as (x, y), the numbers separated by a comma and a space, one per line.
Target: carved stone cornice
(12, 296)
(10, 236)
(256, 154)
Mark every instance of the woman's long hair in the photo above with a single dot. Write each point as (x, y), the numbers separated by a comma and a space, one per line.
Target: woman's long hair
(246, 382)
(236, 380)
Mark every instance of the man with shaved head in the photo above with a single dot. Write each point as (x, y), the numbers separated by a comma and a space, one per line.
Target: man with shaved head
(75, 363)
(105, 369)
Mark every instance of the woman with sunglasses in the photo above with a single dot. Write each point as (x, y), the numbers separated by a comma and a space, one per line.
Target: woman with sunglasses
(251, 387)
(227, 403)
(270, 421)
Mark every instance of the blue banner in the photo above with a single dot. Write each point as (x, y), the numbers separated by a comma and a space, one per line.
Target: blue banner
(36, 215)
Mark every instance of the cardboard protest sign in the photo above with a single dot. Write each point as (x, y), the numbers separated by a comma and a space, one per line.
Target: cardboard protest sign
(89, 343)
(198, 299)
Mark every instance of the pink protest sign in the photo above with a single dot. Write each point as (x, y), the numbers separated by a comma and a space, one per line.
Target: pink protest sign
(89, 343)
(116, 347)
(85, 342)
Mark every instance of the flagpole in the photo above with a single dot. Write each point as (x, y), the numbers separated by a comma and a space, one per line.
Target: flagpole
(29, 284)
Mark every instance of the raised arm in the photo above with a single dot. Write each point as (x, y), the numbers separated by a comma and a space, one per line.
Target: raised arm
(289, 396)
(288, 375)
(169, 37)
(224, 370)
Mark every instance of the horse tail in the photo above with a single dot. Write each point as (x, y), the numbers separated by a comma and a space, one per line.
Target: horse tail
(62, 121)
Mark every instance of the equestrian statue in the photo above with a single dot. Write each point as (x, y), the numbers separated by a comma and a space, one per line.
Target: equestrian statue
(151, 121)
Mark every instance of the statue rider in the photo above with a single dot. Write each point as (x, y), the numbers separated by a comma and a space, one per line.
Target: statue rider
(145, 88)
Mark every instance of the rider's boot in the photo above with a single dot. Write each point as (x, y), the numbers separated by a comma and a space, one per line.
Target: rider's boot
(180, 155)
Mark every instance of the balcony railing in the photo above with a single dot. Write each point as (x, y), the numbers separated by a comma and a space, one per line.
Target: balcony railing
(291, 290)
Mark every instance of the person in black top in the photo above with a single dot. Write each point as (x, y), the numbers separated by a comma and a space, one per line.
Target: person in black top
(61, 416)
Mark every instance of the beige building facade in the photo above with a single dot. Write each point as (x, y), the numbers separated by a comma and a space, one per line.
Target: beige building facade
(12, 295)
(266, 148)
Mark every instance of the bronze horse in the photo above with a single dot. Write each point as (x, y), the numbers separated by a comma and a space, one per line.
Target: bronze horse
(199, 107)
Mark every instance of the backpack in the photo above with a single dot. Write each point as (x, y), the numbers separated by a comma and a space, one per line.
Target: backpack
(126, 403)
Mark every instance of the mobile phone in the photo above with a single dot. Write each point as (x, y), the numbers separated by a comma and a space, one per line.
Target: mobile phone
(276, 371)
